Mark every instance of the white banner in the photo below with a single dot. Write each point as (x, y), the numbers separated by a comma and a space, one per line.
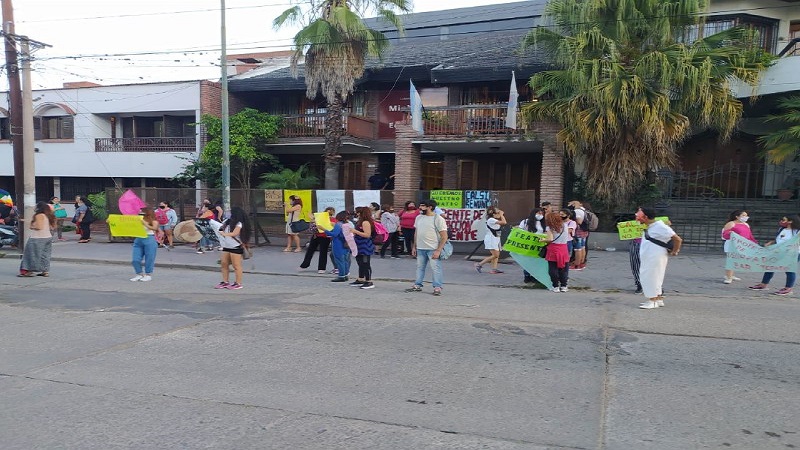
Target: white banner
(334, 198)
(364, 198)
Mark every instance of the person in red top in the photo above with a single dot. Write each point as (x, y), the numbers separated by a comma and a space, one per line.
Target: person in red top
(407, 218)
(737, 223)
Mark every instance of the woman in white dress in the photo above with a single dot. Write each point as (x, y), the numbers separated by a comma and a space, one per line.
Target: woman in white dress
(495, 219)
(654, 256)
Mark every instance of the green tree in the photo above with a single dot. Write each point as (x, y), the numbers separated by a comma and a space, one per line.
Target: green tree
(289, 179)
(334, 44)
(784, 143)
(631, 82)
(250, 131)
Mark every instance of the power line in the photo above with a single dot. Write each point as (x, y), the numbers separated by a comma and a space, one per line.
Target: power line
(120, 16)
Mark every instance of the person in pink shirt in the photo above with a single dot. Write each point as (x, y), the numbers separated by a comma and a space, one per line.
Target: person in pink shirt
(737, 223)
(407, 218)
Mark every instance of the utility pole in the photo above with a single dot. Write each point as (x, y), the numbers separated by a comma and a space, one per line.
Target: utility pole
(226, 136)
(15, 108)
(28, 149)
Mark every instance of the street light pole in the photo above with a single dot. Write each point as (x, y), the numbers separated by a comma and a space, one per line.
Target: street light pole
(226, 137)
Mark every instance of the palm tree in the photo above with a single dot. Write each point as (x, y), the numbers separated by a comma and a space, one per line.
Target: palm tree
(784, 143)
(335, 43)
(633, 81)
(289, 179)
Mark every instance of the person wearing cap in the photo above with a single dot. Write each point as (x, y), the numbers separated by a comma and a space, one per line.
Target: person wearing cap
(430, 235)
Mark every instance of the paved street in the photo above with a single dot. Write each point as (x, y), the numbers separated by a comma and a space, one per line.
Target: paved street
(90, 360)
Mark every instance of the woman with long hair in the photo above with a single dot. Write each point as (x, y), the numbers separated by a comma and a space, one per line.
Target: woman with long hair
(319, 241)
(146, 247)
(293, 211)
(407, 217)
(737, 223)
(495, 219)
(557, 255)
(234, 236)
(392, 224)
(363, 233)
(36, 256)
(790, 226)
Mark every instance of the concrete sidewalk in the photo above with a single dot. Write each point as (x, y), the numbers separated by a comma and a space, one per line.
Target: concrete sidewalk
(692, 273)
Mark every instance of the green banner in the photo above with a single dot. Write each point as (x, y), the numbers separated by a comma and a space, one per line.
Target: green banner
(448, 199)
(524, 243)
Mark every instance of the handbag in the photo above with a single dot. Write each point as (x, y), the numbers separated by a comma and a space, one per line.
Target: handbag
(447, 250)
(669, 245)
(298, 226)
(542, 251)
(246, 252)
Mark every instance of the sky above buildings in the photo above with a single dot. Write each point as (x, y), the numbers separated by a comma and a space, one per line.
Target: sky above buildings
(122, 41)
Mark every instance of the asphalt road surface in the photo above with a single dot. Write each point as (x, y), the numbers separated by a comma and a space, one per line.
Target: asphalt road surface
(90, 360)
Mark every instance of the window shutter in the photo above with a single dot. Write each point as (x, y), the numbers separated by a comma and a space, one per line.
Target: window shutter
(37, 128)
(67, 127)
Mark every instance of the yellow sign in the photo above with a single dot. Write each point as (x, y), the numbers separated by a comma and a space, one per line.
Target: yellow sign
(126, 226)
(633, 229)
(323, 220)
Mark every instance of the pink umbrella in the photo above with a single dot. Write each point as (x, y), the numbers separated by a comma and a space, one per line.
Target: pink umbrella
(130, 204)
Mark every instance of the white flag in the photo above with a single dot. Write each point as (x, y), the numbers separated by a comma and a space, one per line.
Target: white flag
(511, 113)
(416, 110)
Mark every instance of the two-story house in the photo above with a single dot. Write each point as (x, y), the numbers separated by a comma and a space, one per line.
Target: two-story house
(89, 137)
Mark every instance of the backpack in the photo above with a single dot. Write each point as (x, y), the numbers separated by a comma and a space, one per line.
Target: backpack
(590, 221)
(161, 216)
(88, 216)
(380, 235)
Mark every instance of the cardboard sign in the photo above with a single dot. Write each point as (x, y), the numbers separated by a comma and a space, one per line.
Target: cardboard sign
(465, 225)
(447, 199)
(477, 199)
(323, 221)
(126, 226)
(273, 199)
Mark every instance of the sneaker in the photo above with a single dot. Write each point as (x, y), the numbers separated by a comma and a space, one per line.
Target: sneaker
(357, 283)
(320, 271)
(199, 251)
(556, 289)
(660, 303)
(495, 271)
(564, 289)
(649, 305)
(234, 286)
(221, 285)
(146, 278)
(783, 291)
(728, 280)
(576, 267)
(437, 291)
(335, 271)
(367, 285)
(736, 279)
(339, 279)
(415, 288)
(137, 278)
(759, 287)
(638, 290)
(478, 268)
(61, 239)
(395, 257)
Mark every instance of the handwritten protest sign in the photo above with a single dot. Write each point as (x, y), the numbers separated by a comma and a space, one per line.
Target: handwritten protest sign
(447, 199)
(477, 199)
(747, 256)
(633, 229)
(524, 242)
(365, 198)
(332, 198)
(273, 199)
(126, 226)
(465, 225)
(524, 246)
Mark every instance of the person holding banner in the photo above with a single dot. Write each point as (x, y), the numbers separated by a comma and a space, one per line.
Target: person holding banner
(787, 231)
(146, 247)
(293, 211)
(737, 223)
(319, 241)
(535, 224)
(654, 254)
(557, 255)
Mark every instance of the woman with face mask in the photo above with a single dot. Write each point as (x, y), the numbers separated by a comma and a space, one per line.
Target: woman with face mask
(737, 223)
(789, 227)
(534, 223)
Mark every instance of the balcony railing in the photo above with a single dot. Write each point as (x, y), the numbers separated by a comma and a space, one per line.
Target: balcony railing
(146, 144)
(467, 120)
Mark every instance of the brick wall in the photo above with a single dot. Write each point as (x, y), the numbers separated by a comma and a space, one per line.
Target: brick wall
(407, 165)
(211, 99)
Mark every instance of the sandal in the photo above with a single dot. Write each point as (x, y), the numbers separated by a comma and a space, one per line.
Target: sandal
(26, 274)
(297, 250)
(287, 250)
(43, 274)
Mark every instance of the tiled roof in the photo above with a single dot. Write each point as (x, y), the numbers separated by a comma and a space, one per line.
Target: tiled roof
(466, 56)
(449, 17)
